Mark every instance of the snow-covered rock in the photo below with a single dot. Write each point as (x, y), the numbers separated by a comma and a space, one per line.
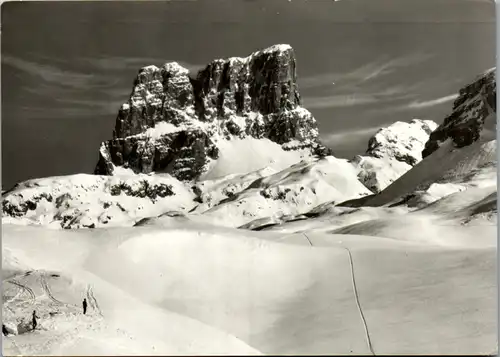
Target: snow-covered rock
(91, 201)
(391, 152)
(473, 115)
(401, 141)
(175, 123)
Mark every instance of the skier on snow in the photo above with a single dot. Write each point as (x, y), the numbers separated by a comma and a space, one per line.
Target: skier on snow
(34, 317)
(84, 306)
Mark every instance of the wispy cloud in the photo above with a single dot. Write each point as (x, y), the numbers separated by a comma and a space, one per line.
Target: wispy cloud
(367, 72)
(364, 85)
(120, 92)
(432, 103)
(85, 92)
(96, 106)
(56, 75)
(414, 105)
(336, 101)
(350, 135)
(358, 98)
(60, 112)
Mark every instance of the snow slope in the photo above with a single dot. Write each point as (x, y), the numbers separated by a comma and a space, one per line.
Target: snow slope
(211, 192)
(183, 290)
(117, 323)
(242, 156)
(291, 191)
(447, 170)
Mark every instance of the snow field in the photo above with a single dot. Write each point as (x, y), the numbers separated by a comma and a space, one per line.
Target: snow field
(182, 291)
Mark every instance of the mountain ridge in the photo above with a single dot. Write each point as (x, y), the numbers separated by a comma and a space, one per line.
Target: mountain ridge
(248, 180)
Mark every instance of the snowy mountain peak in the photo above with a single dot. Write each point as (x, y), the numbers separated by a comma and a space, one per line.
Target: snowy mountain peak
(281, 49)
(278, 48)
(391, 152)
(402, 141)
(174, 122)
(175, 69)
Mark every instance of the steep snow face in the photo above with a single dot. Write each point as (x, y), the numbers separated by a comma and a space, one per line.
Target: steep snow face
(240, 156)
(391, 152)
(472, 207)
(175, 123)
(473, 115)
(91, 201)
(289, 192)
(447, 170)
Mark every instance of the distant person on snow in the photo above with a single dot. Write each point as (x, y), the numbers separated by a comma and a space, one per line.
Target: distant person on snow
(84, 306)
(34, 317)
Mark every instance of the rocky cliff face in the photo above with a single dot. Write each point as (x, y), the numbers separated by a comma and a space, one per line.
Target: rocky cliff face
(173, 121)
(474, 108)
(391, 152)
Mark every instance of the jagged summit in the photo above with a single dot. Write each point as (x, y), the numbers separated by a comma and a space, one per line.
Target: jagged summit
(173, 121)
(473, 110)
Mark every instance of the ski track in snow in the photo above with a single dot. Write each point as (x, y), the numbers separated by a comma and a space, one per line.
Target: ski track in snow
(24, 288)
(46, 289)
(360, 310)
(355, 291)
(92, 301)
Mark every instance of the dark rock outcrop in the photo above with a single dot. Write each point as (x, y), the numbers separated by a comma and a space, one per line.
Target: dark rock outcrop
(472, 110)
(172, 121)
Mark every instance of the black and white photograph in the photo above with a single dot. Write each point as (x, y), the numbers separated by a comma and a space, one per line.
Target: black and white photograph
(249, 177)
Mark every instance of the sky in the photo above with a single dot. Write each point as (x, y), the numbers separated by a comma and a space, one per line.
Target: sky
(66, 67)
